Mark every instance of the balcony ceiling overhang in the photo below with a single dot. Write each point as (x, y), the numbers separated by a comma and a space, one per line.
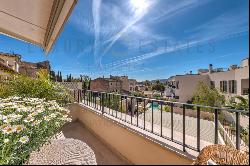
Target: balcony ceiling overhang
(35, 21)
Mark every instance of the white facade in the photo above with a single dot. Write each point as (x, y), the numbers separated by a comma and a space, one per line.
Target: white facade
(234, 82)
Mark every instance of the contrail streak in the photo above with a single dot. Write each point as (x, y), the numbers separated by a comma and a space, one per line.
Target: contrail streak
(96, 19)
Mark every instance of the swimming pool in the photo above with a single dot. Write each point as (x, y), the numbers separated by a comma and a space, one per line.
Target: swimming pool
(155, 106)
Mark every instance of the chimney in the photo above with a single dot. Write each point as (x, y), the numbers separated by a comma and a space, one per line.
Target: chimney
(210, 68)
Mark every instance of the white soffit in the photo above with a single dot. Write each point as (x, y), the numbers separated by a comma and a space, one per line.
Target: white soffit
(35, 21)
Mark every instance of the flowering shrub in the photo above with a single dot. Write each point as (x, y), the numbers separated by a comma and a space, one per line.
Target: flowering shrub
(39, 87)
(26, 124)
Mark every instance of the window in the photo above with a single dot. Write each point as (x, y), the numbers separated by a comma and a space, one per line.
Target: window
(177, 84)
(232, 86)
(223, 86)
(212, 84)
(245, 91)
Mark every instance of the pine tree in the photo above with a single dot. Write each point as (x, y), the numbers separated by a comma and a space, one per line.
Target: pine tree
(70, 78)
(60, 76)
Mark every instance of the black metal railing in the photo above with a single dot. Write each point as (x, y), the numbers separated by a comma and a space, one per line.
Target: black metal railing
(121, 106)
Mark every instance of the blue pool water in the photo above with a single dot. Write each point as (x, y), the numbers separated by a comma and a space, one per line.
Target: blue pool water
(155, 106)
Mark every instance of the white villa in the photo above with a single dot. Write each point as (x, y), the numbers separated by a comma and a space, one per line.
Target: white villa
(234, 81)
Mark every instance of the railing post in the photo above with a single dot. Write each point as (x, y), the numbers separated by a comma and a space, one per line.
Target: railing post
(102, 102)
(238, 130)
(184, 128)
(198, 128)
(131, 109)
(116, 110)
(78, 96)
(216, 125)
(161, 119)
(144, 116)
(121, 105)
(126, 111)
(152, 124)
(172, 121)
(137, 114)
(109, 104)
(74, 95)
(84, 93)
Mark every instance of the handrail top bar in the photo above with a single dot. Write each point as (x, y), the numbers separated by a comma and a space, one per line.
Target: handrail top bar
(168, 102)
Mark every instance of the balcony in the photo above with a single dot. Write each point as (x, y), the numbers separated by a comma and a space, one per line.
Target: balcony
(134, 131)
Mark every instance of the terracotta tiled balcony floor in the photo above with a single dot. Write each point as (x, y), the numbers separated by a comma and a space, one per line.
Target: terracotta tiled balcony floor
(104, 155)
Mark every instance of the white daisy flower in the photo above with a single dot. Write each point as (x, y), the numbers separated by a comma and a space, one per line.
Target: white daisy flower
(37, 122)
(19, 128)
(29, 119)
(6, 141)
(47, 118)
(53, 115)
(24, 139)
(8, 129)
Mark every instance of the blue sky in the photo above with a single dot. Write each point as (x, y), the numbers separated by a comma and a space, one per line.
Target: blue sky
(145, 39)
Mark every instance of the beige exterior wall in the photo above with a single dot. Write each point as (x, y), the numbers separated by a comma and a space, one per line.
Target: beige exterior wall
(105, 85)
(115, 86)
(241, 76)
(99, 85)
(124, 81)
(134, 147)
(188, 85)
(132, 85)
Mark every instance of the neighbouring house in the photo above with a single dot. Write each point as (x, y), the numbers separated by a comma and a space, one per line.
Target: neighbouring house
(132, 85)
(30, 69)
(5, 71)
(10, 60)
(106, 85)
(112, 84)
(124, 82)
(234, 81)
(11, 63)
